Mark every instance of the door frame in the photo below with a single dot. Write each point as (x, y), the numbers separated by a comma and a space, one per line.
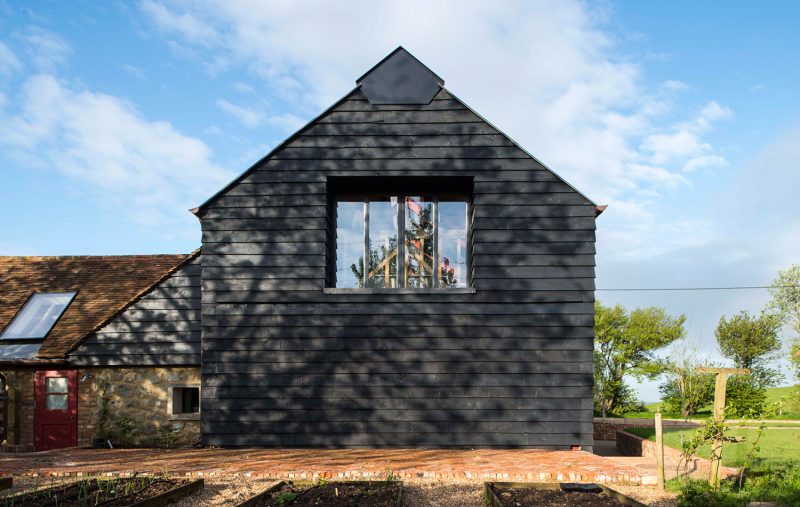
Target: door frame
(39, 404)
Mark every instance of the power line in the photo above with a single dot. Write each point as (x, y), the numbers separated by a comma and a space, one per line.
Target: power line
(656, 289)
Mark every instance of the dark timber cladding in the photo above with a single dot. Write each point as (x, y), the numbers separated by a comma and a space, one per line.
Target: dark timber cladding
(160, 328)
(504, 363)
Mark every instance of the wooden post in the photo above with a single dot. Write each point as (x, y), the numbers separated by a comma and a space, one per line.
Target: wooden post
(659, 452)
(719, 414)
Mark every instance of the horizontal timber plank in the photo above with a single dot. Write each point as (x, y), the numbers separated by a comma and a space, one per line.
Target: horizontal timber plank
(401, 141)
(400, 153)
(447, 396)
(460, 331)
(486, 348)
(231, 382)
(406, 322)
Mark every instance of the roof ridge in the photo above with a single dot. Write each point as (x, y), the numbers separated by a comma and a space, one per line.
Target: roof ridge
(49, 257)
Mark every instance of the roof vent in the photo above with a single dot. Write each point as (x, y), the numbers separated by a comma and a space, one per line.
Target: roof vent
(400, 79)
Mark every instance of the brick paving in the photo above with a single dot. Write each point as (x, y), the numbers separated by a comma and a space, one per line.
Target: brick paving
(516, 464)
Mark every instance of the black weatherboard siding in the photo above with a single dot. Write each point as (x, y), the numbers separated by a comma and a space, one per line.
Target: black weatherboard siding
(288, 363)
(160, 328)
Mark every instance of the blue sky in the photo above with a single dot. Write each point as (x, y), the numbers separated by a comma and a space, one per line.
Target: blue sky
(117, 117)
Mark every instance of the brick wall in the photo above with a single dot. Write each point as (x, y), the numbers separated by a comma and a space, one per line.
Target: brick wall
(632, 445)
(140, 394)
(22, 382)
(606, 429)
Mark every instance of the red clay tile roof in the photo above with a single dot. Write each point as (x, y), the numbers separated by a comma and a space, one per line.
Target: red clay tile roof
(105, 286)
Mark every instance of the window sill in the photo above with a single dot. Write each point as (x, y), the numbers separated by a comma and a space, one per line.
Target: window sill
(184, 417)
(462, 290)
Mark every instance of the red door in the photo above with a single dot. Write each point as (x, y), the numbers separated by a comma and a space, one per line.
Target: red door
(56, 415)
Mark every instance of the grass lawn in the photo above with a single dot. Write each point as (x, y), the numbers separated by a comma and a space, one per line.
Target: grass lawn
(790, 410)
(777, 445)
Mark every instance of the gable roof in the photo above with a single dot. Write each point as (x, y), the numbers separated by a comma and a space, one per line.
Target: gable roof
(398, 81)
(105, 286)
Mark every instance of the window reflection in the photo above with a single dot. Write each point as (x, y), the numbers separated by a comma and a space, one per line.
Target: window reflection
(419, 242)
(452, 233)
(382, 243)
(349, 244)
(432, 249)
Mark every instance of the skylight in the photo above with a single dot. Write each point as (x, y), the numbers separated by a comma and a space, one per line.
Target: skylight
(38, 315)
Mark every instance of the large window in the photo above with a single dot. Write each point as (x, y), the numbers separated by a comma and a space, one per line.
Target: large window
(411, 241)
(38, 316)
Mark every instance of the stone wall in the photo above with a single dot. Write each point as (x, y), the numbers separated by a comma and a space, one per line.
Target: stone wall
(138, 397)
(22, 382)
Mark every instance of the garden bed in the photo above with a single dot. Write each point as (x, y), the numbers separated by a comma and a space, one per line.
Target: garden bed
(341, 494)
(554, 494)
(125, 492)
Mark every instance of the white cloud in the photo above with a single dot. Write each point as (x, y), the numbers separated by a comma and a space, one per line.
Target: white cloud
(704, 162)
(137, 72)
(9, 63)
(542, 71)
(46, 50)
(287, 122)
(148, 166)
(249, 117)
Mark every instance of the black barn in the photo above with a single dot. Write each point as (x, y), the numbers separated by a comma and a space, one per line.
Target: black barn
(398, 273)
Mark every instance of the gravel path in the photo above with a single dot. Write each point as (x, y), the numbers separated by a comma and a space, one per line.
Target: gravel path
(227, 491)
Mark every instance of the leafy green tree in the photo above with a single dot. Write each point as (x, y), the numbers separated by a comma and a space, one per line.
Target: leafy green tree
(625, 344)
(685, 390)
(750, 341)
(786, 301)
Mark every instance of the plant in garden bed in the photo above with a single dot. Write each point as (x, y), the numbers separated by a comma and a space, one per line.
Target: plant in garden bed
(113, 492)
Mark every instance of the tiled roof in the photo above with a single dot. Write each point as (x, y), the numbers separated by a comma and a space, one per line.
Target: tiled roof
(105, 285)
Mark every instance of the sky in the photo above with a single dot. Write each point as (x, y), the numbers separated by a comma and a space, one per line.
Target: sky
(118, 117)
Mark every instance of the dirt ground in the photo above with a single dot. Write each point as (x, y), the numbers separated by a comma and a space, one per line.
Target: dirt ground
(230, 490)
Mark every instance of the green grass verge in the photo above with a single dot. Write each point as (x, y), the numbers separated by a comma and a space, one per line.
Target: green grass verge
(789, 411)
(777, 446)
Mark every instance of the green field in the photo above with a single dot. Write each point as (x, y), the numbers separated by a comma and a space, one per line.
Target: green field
(789, 411)
(777, 445)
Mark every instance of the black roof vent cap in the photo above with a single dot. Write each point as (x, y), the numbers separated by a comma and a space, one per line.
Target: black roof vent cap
(400, 79)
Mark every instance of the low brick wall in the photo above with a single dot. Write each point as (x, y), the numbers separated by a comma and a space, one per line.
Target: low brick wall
(606, 429)
(632, 445)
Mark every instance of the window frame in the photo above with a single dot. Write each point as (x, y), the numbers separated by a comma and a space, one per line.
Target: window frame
(21, 312)
(400, 218)
(172, 399)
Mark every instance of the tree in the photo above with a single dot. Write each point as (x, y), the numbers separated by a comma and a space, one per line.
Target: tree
(625, 344)
(786, 301)
(685, 390)
(750, 341)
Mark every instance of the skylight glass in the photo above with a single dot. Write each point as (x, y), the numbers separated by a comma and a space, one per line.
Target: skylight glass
(38, 315)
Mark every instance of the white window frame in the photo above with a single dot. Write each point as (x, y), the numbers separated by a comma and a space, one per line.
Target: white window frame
(172, 399)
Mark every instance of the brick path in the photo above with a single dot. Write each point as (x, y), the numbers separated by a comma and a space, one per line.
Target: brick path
(517, 464)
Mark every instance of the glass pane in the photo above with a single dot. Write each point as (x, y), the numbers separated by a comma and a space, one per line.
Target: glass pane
(419, 241)
(452, 244)
(190, 400)
(382, 243)
(38, 315)
(56, 385)
(56, 402)
(350, 244)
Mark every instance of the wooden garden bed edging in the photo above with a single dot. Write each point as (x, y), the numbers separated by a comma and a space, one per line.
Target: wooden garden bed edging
(253, 500)
(494, 501)
(6, 483)
(160, 500)
(250, 502)
(172, 495)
